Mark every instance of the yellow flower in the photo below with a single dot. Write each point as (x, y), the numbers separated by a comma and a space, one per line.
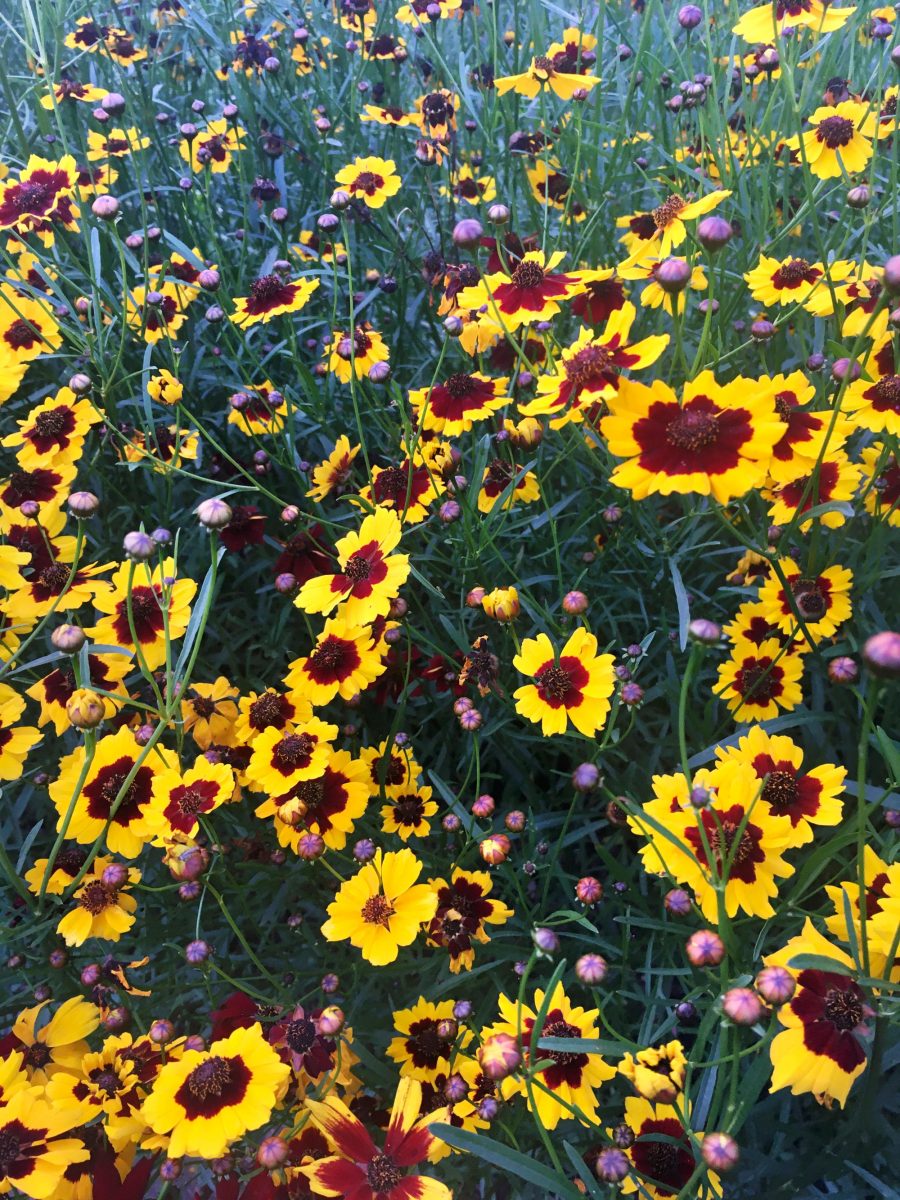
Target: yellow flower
(164, 388)
(370, 179)
(659, 232)
(213, 146)
(342, 663)
(57, 1043)
(407, 813)
(381, 908)
(142, 607)
(35, 1157)
(422, 1049)
(103, 908)
(656, 1073)
(282, 759)
(333, 474)
(760, 680)
(271, 296)
(542, 75)
(765, 22)
(577, 686)
(114, 143)
(839, 140)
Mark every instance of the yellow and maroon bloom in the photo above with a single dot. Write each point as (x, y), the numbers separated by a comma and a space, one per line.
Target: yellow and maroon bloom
(882, 483)
(422, 1049)
(575, 687)
(207, 1099)
(806, 431)
(209, 712)
(763, 23)
(343, 663)
(823, 600)
(792, 280)
(117, 789)
(807, 798)
(114, 143)
(108, 1085)
(272, 296)
(16, 741)
(70, 90)
(47, 486)
(718, 440)
(839, 139)
(664, 1167)
(386, 115)
(464, 908)
(68, 863)
(55, 1044)
(407, 488)
(875, 405)
(588, 370)
(41, 197)
(571, 1078)
(392, 768)
(258, 409)
(795, 488)
(362, 1171)
(28, 328)
(356, 355)
(370, 576)
(142, 605)
(760, 681)
(54, 429)
(282, 759)
(544, 74)
(121, 48)
(213, 146)
(381, 907)
(384, 47)
(300, 1044)
(407, 813)
(155, 313)
(180, 800)
(102, 909)
(465, 185)
(371, 180)
(452, 407)
(502, 477)
(603, 295)
(881, 893)
(821, 1050)
(87, 35)
(530, 291)
(333, 474)
(54, 588)
(658, 232)
(436, 114)
(33, 1156)
(329, 805)
(656, 1073)
(270, 709)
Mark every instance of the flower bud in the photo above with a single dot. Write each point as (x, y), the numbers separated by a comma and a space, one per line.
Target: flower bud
(704, 948)
(499, 1056)
(776, 985)
(272, 1152)
(591, 969)
(611, 1166)
(673, 275)
(892, 275)
(213, 513)
(859, 197)
(742, 1006)
(331, 1021)
(689, 16)
(677, 902)
(843, 670)
(707, 633)
(138, 546)
(498, 214)
(105, 208)
(502, 604)
(467, 232)
(68, 638)
(588, 890)
(585, 777)
(882, 654)
(494, 849)
(84, 709)
(720, 1151)
(546, 940)
(83, 505)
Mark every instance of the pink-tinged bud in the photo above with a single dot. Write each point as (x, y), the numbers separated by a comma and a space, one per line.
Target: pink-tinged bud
(707, 633)
(455, 1089)
(467, 232)
(575, 603)
(859, 197)
(475, 597)
(105, 208)
(677, 902)
(545, 940)
(591, 969)
(843, 670)
(58, 958)
(700, 796)
(213, 513)
(743, 1006)
(689, 16)
(272, 1152)
(138, 546)
(449, 512)
(845, 368)
(114, 876)
(892, 274)
(611, 1166)
(463, 704)
(776, 985)
(494, 849)
(502, 604)
(68, 638)
(197, 952)
(515, 821)
(632, 693)
(285, 583)
(330, 983)
(673, 275)
(450, 823)
(499, 1056)
(498, 214)
(83, 505)
(209, 280)
(704, 948)
(447, 1029)
(331, 1021)
(379, 372)
(161, 1031)
(340, 199)
(116, 1019)
(720, 1151)
(763, 330)
(714, 232)
(310, 846)
(882, 654)
(589, 890)
(483, 807)
(586, 777)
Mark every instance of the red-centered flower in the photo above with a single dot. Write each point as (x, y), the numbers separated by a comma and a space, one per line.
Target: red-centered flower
(452, 407)
(531, 292)
(44, 485)
(603, 295)
(300, 1044)
(41, 195)
(270, 296)
(360, 1171)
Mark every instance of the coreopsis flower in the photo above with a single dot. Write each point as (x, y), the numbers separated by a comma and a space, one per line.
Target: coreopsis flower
(155, 314)
(41, 197)
(35, 1156)
(179, 800)
(371, 180)
(823, 600)
(164, 388)
(270, 709)
(653, 294)
(68, 863)
(407, 488)
(11, 560)
(370, 576)
(334, 472)
(54, 429)
(530, 291)
(387, 115)
(407, 813)
(806, 431)
(55, 1044)
(416, 11)
(543, 75)
(656, 1073)
(69, 91)
(767, 21)
(463, 910)
(144, 607)
(663, 1167)
(874, 404)
(209, 712)
(551, 186)
(382, 907)
(865, 316)
(207, 1099)
(329, 805)
(342, 663)
(821, 1049)
(282, 759)
(12, 372)
(452, 407)
(881, 494)
(272, 296)
(798, 486)
(16, 741)
(436, 114)
(114, 143)
(301, 1044)
(838, 141)
(108, 1085)
(260, 410)
(47, 486)
(101, 909)
(588, 370)
(121, 48)
(717, 441)
(360, 1170)
(504, 483)
(355, 356)
(420, 1049)
(470, 188)
(740, 846)
(807, 798)
(112, 780)
(603, 294)
(792, 280)
(882, 904)
(384, 47)
(572, 1078)
(57, 588)
(212, 147)
(759, 681)
(658, 232)
(575, 687)
(392, 768)
(28, 328)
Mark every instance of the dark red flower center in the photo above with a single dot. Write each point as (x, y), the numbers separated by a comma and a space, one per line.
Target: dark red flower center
(835, 132)
(589, 363)
(692, 430)
(38, 1055)
(368, 182)
(809, 597)
(794, 272)
(528, 275)
(311, 792)
(106, 1081)
(52, 425)
(556, 682)
(300, 1035)
(562, 1029)
(885, 394)
(408, 810)
(668, 211)
(780, 790)
(53, 578)
(33, 196)
(271, 708)
(293, 751)
(459, 386)
(843, 1008)
(359, 567)
(759, 681)
(96, 897)
(543, 63)
(101, 793)
(22, 335)
(383, 1174)
(424, 1043)
(668, 1163)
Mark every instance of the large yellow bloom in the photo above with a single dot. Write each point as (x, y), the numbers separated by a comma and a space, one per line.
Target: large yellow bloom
(576, 686)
